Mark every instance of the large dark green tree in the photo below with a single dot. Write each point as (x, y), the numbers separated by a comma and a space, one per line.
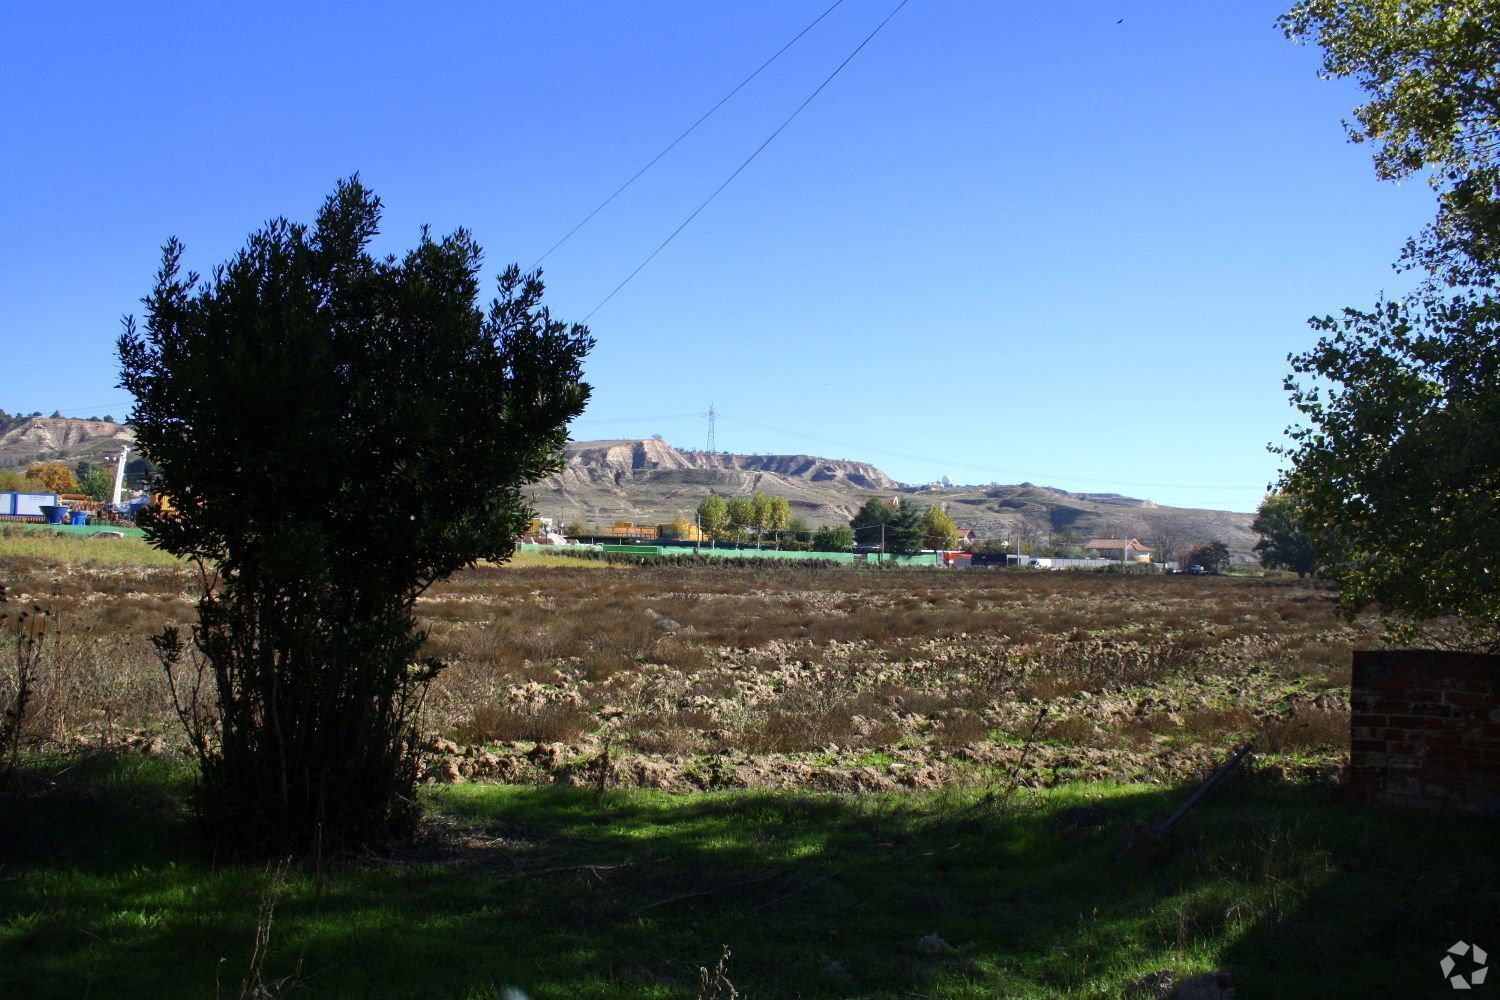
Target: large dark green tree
(1284, 541)
(335, 432)
(1397, 459)
(1212, 556)
(899, 527)
(1397, 465)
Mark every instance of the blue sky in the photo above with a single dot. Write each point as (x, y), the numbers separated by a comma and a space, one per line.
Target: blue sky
(1008, 242)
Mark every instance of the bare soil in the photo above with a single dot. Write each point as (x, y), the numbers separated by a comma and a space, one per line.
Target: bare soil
(787, 677)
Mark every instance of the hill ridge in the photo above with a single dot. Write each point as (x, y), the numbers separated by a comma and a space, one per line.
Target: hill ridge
(649, 481)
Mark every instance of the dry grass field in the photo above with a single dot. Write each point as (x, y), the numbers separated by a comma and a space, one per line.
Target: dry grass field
(686, 678)
(776, 696)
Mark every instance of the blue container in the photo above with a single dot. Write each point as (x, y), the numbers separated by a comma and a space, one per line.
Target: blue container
(54, 514)
(80, 517)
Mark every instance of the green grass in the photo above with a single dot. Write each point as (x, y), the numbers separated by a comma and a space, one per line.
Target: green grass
(45, 545)
(101, 895)
(539, 557)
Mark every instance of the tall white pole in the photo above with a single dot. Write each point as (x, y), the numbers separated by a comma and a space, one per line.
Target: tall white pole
(119, 479)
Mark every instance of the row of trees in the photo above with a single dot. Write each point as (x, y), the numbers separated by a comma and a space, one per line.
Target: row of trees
(94, 479)
(7, 418)
(54, 477)
(903, 528)
(739, 518)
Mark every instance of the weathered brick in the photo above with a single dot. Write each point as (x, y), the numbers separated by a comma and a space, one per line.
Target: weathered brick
(1425, 730)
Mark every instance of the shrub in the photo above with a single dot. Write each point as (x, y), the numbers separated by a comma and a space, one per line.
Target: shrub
(336, 433)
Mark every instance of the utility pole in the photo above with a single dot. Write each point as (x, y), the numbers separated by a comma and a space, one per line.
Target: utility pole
(711, 418)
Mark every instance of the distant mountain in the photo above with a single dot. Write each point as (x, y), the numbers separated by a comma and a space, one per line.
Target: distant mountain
(650, 482)
(61, 439)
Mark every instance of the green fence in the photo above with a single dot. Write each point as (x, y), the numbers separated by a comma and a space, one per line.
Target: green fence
(86, 529)
(925, 559)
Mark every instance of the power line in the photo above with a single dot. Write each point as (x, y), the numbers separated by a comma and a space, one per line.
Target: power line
(970, 465)
(637, 420)
(869, 449)
(910, 456)
(748, 160)
(690, 130)
(124, 403)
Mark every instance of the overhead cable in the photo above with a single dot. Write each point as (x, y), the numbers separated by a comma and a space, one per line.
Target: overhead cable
(748, 160)
(690, 130)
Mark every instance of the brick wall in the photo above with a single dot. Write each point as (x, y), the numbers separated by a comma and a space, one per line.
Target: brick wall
(1425, 730)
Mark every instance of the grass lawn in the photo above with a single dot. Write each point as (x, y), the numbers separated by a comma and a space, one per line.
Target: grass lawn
(42, 545)
(561, 893)
(46, 544)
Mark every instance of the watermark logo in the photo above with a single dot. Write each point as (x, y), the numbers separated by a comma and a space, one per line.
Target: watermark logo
(1476, 962)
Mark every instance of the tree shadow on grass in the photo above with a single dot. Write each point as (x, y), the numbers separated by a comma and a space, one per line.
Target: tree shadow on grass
(1389, 892)
(563, 893)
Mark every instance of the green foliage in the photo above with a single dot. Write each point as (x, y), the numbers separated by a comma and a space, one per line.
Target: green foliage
(98, 482)
(336, 432)
(760, 505)
(734, 517)
(1429, 70)
(902, 530)
(1284, 542)
(781, 515)
(760, 514)
(740, 516)
(832, 538)
(903, 536)
(1211, 556)
(140, 472)
(713, 515)
(1396, 463)
(867, 521)
(939, 531)
(102, 897)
